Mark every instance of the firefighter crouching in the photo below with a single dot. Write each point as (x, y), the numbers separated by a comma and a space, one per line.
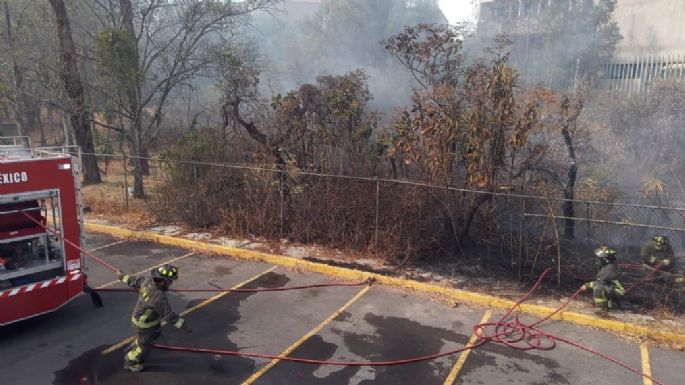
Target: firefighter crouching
(658, 253)
(151, 309)
(607, 290)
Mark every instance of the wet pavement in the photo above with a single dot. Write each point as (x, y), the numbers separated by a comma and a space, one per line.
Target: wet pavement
(80, 344)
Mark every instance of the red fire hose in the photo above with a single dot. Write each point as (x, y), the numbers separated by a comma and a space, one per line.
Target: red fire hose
(509, 333)
(70, 243)
(217, 290)
(513, 333)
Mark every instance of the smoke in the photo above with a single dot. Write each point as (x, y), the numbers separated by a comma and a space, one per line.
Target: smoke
(306, 40)
(556, 43)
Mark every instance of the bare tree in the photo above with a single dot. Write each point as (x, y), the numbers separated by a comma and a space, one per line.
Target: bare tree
(570, 112)
(172, 43)
(71, 79)
(30, 65)
(16, 73)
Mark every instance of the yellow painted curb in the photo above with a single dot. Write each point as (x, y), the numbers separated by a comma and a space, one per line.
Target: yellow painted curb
(351, 274)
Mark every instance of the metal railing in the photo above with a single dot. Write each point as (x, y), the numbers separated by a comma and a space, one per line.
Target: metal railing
(20, 147)
(629, 75)
(12, 147)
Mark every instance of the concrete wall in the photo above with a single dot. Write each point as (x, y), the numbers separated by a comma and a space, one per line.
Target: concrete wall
(651, 27)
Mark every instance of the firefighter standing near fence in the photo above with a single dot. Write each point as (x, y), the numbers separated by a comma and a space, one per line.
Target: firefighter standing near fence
(151, 309)
(606, 289)
(657, 253)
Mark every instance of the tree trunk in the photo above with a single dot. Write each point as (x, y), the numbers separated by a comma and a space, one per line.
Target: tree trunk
(71, 79)
(138, 188)
(144, 162)
(16, 73)
(133, 95)
(478, 202)
(41, 127)
(570, 187)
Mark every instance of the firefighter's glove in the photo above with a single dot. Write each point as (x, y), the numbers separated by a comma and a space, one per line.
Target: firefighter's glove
(122, 276)
(584, 287)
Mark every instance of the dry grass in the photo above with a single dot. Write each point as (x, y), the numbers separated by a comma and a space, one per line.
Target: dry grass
(108, 199)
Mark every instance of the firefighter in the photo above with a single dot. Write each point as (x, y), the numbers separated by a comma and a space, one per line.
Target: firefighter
(151, 309)
(657, 253)
(606, 289)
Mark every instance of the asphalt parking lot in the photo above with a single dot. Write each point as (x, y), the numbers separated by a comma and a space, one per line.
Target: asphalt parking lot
(80, 344)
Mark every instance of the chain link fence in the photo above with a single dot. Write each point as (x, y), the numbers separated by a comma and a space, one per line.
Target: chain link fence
(520, 234)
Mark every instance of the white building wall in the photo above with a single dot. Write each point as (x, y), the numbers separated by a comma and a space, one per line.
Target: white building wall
(651, 27)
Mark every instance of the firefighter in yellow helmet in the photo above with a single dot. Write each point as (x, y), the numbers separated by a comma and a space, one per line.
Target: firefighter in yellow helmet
(658, 253)
(607, 290)
(151, 309)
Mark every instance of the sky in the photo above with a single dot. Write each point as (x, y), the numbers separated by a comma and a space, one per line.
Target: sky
(457, 10)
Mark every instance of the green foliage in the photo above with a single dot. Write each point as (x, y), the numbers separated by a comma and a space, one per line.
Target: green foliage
(332, 113)
(117, 56)
(566, 40)
(584, 37)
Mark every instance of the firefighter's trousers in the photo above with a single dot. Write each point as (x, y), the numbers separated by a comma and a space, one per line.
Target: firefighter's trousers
(607, 295)
(141, 346)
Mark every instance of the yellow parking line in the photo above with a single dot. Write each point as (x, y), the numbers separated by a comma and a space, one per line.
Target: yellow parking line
(148, 269)
(192, 309)
(106, 246)
(484, 300)
(646, 366)
(465, 354)
(299, 342)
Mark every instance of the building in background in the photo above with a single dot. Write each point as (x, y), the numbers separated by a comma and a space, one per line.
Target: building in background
(653, 44)
(652, 27)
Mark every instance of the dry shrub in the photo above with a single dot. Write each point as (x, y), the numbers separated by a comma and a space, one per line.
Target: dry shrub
(333, 212)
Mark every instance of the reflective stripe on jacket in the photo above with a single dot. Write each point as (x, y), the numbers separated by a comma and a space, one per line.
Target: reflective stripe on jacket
(153, 305)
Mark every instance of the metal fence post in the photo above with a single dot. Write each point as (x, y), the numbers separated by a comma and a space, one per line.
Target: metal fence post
(280, 193)
(588, 223)
(125, 183)
(523, 249)
(378, 198)
(195, 206)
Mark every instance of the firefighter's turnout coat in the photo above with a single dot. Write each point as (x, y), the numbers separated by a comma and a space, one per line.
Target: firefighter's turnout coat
(153, 305)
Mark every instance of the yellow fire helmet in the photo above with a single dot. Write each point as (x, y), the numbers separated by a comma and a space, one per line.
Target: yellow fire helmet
(605, 252)
(166, 271)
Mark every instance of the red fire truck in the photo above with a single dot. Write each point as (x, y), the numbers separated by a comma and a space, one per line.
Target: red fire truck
(40, 208)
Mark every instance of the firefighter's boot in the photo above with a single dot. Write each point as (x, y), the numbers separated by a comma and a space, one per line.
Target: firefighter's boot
(132, 361)
(602, 309)
(133, 367)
